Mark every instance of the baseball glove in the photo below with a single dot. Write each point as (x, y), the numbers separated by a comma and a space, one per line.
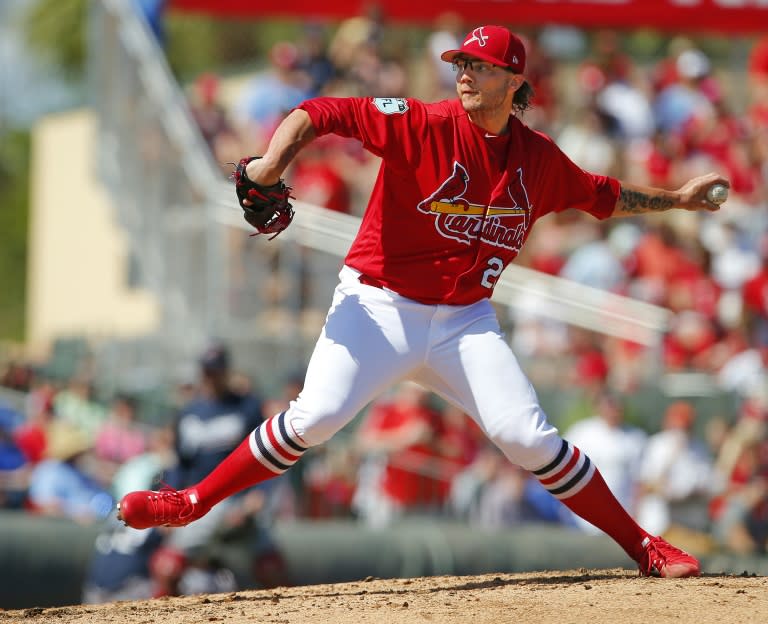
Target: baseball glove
(269, 212)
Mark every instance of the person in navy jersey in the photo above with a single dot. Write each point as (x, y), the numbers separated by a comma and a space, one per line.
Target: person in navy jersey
(213, 423)
(119, 568)
(206, 430)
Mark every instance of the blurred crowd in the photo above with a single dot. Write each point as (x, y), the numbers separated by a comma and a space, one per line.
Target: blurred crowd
(64, 453)
(656, 123)
(410, 456)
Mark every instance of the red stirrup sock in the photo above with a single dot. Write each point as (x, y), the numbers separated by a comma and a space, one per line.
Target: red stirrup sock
(574, 479)
(271, 449)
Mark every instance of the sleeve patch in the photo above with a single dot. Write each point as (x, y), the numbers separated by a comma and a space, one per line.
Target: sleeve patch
(391, 106)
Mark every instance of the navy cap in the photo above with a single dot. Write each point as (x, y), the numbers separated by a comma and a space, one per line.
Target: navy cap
(215, 358)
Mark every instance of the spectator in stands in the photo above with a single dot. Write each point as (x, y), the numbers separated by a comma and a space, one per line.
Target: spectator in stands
(757, 72)
(355, 34)
(40, 396)
(10, 418)
(317, 181)
(626, 111)
(691, 286)
(17, 376)
(403, 470)
(373, 72)
(121, 437)
(606, 64)
(213, 119)
(131, 564)
(76, 406)
(615, 447)
(314, 60)
(677, 479)
(689, 96)
(31, 436)
(289, 389)
(632, 365)
(448, 29)
(119, 565)
(146, 468)
(654, 262)
(493, 494)
(754, 294)
(613, 91)
(329, 482)
(664, 72)
(597, 263)
(206, 430)
(587, 141)
(745, 371)
(740, 513)
(757, 113)
(735, 261)
(458, 442)
(270, 95)
(688, 344)
(461, 438)
(588, 371)
(368, 63)
(13, 461)
(656, 162)
(60, 486)
(541, 73)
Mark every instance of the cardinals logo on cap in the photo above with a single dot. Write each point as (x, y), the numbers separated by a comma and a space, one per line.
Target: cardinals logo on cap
(493, 44)
(479, 36)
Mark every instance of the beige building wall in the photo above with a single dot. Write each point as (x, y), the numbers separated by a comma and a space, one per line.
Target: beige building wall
(78, 262)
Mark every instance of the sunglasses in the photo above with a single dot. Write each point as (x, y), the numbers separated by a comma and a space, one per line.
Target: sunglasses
(477, 67)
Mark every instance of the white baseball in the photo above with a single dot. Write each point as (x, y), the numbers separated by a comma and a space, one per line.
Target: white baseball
(717, 193)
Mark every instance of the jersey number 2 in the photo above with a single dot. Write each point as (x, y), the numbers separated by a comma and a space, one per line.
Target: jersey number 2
(491, 274)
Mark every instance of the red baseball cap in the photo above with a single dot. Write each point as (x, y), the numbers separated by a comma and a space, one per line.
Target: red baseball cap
(494, 44)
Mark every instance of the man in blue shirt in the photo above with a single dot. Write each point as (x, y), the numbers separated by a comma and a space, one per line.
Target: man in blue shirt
(208, 429)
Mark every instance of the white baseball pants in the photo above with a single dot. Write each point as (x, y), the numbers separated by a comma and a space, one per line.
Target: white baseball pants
(374, 338)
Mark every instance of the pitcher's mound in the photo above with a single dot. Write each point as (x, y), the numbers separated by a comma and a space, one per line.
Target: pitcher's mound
(560, 597)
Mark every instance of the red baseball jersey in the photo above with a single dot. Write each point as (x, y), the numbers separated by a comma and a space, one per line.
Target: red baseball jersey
(452, 204)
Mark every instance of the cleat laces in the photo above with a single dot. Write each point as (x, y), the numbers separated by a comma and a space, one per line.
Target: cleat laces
(659, 558)
(170, 507)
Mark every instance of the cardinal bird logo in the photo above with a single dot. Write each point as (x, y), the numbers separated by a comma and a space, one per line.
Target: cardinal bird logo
(451, 191)
(461, 220)
(518, 193)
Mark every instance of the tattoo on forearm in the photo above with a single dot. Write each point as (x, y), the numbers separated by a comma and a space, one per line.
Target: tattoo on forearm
(635, 201)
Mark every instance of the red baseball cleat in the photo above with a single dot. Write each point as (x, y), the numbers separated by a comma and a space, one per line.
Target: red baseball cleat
(167, 507)
(660, 558)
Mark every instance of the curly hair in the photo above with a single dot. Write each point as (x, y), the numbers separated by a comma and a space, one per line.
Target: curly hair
(523, 98)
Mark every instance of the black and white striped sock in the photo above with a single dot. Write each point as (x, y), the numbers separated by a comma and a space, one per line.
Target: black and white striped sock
(567, 474)
(276, 445)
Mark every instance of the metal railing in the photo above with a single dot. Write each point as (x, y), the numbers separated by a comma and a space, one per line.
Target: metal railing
(547, 295)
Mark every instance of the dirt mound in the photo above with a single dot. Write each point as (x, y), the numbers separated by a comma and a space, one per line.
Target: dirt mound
(573, 597)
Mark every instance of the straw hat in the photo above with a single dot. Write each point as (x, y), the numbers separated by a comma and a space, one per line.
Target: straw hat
(63, 442)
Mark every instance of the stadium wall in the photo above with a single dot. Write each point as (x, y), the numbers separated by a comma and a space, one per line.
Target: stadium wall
(45, 559)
